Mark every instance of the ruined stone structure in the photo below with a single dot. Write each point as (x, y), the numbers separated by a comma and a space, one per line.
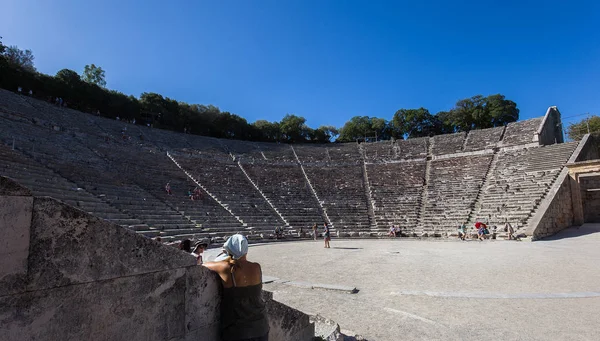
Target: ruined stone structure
(427, 186)
(67, 275)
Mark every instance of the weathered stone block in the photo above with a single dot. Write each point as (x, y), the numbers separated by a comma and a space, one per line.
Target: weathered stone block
(9, 187)
(69, 246)
(15, 220)
(145, 307)
(203, 299)
(288, 324)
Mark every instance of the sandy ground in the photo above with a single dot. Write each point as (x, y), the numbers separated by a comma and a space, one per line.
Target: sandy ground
(445, 290)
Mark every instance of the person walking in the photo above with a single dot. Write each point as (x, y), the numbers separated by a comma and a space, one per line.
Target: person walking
(314, 229)
(243, 311)
(510, 231)
(327, 235)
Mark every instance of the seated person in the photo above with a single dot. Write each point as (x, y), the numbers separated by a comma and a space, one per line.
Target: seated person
(197, 195)
(462, 232)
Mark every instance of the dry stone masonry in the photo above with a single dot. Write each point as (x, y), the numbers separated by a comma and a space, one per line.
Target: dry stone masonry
(118, 171)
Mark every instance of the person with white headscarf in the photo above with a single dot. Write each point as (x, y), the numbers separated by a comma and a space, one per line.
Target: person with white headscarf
(243, 311)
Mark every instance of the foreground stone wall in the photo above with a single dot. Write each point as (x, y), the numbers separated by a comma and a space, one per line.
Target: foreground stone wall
(561, 208)
(67, 275)
(287, 324)
(556, 211)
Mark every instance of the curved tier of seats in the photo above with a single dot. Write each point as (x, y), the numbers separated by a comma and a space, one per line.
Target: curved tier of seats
(451, 192)
(288, 191)
(519, 182)
(396, 189)
(427, 186)
(448, 144)
(483, 139)
(342, 194)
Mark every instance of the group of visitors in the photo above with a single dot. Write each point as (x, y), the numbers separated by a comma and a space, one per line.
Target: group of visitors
(195, 193)
(394, 230)
(59, 102)
(20, 91)
(483, 232)
(326, 234)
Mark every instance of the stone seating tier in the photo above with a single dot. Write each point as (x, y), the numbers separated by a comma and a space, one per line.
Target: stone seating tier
(521, 132)
(229, 184)
(341, 190)
(413, 148)
(396, 191)
(483, 139)
(379, 151)
(336, 153)
(519, 182)
(43, 182)
(451, 192)
(448, 144)
(287, 189)
(85, 150)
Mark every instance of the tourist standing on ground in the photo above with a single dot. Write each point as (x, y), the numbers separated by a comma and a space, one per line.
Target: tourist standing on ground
(168, 188)
(327, 235)
(509, 230)
(314, 229)
(243, 312)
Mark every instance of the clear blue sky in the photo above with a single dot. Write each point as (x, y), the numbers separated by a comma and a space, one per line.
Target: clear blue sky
(324, 60)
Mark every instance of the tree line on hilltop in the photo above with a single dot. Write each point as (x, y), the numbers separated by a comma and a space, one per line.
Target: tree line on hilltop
(87, 92)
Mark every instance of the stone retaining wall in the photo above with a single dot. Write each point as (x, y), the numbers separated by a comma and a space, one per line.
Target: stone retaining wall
(67, 275)
(556, 211)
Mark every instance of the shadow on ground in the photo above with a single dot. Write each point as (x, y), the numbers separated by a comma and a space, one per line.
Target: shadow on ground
(575, 231)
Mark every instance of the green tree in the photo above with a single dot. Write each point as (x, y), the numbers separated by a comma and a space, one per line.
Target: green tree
(576, 131)
(479, 112)
(19, 58)
(94, 75)
(2, 46)
(69, 77)
(365, 127)
(356, 128)
(294, 128)
(232, 126)
(324, 134)
(415, 123)
(269, 131)
(501, 111)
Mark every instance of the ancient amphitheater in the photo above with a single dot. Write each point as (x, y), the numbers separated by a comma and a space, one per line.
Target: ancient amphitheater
(523, 173)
